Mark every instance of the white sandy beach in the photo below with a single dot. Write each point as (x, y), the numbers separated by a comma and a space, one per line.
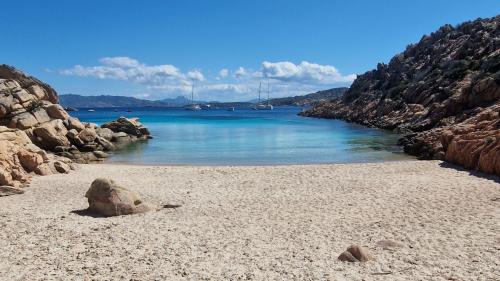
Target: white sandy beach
(258, 223)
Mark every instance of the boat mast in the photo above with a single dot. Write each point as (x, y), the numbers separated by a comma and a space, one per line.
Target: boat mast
(192, 93)
(267, 91)
(260, 85)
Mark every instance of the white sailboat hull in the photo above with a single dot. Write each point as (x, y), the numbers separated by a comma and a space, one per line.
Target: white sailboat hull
(193, 107)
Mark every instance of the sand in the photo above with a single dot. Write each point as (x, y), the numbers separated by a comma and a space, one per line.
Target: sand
(258, 223)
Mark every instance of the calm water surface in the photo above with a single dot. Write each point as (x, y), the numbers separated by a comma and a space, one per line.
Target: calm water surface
(246, 137)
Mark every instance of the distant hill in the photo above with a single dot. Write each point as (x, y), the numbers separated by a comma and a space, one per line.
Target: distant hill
(72, 100)
(104, 101)
(311, 99)
(178, 101)
(78, 101)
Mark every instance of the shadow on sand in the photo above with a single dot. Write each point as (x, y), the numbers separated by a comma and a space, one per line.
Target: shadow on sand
(470, 172)
(87, 213)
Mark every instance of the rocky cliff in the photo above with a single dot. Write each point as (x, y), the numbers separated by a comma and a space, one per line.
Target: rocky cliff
(442, 93)
(37, 136)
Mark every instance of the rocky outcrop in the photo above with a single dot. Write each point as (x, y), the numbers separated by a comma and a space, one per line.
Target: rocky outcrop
(107, 198)
(19, 158)
(37, 136)
(131, 127)
(442, 93)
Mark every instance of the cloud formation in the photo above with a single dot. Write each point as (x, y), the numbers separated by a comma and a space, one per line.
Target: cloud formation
(159, 81)
(223, 73)
(305, 72)
(240, 72)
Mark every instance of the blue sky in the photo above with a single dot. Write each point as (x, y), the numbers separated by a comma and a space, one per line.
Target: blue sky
(154, 49)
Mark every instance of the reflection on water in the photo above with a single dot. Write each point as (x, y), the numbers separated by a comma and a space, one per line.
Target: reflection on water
(249, 137)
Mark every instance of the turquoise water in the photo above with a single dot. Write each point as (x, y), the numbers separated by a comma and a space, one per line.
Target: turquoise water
(246, 137)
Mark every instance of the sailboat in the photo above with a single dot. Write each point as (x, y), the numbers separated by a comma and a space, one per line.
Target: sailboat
(268, 105)
(193, 106)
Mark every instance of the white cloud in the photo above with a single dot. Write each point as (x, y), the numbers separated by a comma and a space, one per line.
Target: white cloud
(240, 72)
(128, 69)
(119, 62)
(304, 72)
(223, 73)
(159, 81)
(195, 75)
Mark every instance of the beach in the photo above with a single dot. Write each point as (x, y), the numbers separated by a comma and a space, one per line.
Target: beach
(258, 223)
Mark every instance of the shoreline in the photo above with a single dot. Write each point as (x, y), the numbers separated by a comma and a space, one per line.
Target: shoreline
(124, 163)
(258, 222)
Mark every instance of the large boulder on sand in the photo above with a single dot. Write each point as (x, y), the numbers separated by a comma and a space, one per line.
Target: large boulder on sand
(107, 198)
(355, 253)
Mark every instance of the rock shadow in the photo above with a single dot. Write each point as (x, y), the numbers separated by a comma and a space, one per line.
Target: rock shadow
(87, 213)
(470, 172)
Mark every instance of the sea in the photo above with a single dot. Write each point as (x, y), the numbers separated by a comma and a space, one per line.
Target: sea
(247, 137)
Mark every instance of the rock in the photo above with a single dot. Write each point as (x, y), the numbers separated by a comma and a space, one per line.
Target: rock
(72, 134)
(22, 80)
(18, 157)
(75, 124)
(355, 253)
(100, 154)
(347, 256)
(43, 170)
(107, 145)
(389, 244)
(33, 126)
(41, 115)
(57, 112)
(130, 126)
(22, 96)
(23, 121)
(29, 160)
(109, 199)
(51, 134)
(437, 92)
(62, 167)
(5, 176)
(45, 156)
(118, 136)
(37, 91)
(89, 147)
(105, 133)
(87, 135)
(6, 190)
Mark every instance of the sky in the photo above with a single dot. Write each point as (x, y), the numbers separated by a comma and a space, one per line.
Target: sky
(159, 49)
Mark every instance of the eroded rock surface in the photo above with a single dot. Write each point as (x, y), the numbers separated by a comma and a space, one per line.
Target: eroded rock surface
(443, 93)
(37, 136)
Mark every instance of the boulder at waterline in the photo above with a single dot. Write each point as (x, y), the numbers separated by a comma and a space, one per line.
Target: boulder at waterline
(107, 198)
(130, 126)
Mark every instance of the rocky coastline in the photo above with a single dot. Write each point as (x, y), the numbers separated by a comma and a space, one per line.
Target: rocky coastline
(442, 94)
(38, 137)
